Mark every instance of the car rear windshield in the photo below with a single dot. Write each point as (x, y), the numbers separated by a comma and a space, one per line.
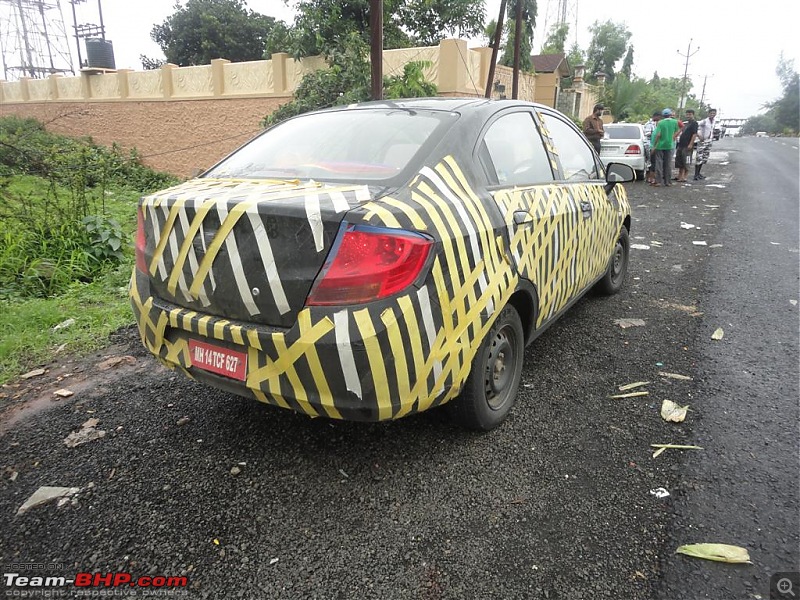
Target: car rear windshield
(623, 132)
(349, 145)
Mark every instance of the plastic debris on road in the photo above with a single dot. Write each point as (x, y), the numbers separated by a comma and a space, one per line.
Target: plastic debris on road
(674, 376)
(45, 494)
(718, 334)
(631, 386)
(670, 411)
(625, 323)
(660, 493)
(717, 552)
(640, 247)
(630, 395)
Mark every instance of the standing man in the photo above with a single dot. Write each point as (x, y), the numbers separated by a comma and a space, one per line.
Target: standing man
(649, 129)
(664, 146)
(593, 127)
(685, 145)
(705, 133)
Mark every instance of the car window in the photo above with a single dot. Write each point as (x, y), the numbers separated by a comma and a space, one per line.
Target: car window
(623, 132)
(516, 151)
(367, 144)
(574, 152)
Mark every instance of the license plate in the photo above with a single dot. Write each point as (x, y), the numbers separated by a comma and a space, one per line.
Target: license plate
(219, 360)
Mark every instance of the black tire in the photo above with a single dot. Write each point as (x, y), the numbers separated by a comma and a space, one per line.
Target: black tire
(640, 175)
(491, 388)
(612, 281)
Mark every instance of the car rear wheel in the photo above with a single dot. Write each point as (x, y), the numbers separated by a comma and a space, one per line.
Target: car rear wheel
(639, 174)
(612, 281)
(491, 388)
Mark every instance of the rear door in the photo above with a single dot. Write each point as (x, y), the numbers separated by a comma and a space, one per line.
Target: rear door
(543, 220)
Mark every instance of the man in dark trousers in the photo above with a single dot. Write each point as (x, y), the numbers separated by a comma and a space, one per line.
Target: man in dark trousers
(593, 127)
(686, 140)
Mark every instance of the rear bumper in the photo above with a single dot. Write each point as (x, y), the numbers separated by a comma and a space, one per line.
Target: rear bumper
(372, 364)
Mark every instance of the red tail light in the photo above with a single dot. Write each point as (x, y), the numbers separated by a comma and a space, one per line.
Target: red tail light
(369, 263)
(141, 263)
(633, 149)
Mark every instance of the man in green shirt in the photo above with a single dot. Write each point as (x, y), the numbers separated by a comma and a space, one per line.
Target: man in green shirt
(664, 147)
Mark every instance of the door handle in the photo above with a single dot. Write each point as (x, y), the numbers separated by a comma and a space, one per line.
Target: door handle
(522, 217)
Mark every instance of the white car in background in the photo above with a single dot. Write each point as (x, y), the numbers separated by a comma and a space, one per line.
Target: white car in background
(625, 143)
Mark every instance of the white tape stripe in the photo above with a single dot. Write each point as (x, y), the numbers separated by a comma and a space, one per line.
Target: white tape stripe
(430, 330)
(268, 260)
(162, 269)
(184, 220)
(362, 194)
(339, 202)
(236, 264)
(173, 247)
(342, 328)
(315, 220)
(467, 223)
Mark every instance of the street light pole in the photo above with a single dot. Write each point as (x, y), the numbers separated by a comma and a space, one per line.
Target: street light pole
(688, 55)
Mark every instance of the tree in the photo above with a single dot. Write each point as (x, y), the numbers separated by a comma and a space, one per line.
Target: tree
(627, 64)
(608, 44)
(206, 29)
(556, 39)
(321, 24)
(527, 28)
(786, 110)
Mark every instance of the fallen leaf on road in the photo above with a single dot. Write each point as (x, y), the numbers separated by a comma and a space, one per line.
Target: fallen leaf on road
(700, 243)
(63, 393)
(34, 373)
(114, 361)
(655, 243)
(718, 334)
(793, 302)
(686, 225)
(674, 376)
(640, 247)
(630, 395)
(718, 552)
(630, 386)
(46, 494)
(625, 323)
(673, 412)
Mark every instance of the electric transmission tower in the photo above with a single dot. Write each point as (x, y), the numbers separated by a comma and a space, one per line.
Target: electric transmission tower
(33, 39)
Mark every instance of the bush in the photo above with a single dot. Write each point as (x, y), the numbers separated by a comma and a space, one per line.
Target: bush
(56, 225)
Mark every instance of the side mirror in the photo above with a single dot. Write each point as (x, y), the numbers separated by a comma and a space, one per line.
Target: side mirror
(618, 173)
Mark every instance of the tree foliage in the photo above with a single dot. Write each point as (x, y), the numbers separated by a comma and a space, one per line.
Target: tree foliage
(321, 24)
(608, 45)
(507, 40)
(556, 39)
(348, 79)
(206, 29)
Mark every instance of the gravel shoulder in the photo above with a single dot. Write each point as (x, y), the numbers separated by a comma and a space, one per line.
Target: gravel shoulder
(249, 501)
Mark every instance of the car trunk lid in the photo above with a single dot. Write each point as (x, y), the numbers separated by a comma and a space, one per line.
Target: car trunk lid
(245, 250)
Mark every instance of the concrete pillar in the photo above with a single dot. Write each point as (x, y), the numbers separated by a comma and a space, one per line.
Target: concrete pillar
(166, 79)
(52, 84)
(218, 75)
(122, 83)
(23, 87)
(279, 78)
(452, 66)
(486, 62)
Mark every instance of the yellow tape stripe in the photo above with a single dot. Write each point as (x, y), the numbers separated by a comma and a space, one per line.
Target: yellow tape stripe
(400, 365)
(325, 396)
(197, 222)
(415, 343)
(297, 386)
(377, 367)
(165, 231)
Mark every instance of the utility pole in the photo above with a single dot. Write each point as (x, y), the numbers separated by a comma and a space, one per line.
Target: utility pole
(517, 36)
(498, 32)
(376, 47)
(688, 55)
(703, 95)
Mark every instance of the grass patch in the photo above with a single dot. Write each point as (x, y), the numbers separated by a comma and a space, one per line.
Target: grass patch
(99, 308)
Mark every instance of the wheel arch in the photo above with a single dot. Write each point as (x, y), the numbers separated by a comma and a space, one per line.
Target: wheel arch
(525, 301)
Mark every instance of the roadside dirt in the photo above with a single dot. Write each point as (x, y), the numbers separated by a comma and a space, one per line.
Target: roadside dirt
(69, 379)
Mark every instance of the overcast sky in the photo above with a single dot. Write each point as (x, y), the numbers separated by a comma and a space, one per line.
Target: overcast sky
(735, 46)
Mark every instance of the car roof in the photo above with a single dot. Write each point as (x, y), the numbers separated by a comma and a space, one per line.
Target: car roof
(451, 104)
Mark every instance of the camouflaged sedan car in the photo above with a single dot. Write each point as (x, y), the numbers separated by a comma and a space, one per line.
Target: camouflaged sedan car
(373, 261)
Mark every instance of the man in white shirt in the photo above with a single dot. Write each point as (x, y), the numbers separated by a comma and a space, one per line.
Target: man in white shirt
(705, 134)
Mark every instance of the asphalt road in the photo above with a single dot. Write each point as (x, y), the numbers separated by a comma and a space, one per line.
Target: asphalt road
(248, 501)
